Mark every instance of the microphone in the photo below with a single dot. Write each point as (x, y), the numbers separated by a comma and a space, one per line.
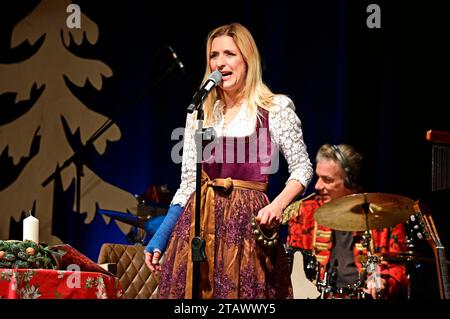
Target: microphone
(212, 81)
(175, 56)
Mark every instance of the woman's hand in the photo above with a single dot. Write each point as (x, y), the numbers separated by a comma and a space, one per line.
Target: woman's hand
(270, 216)
(152, 261)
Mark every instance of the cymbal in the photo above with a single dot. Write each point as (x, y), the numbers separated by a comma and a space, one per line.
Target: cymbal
(347, 213)
(404, 257)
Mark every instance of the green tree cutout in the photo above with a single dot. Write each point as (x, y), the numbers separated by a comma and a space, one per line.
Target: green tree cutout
(47, 67)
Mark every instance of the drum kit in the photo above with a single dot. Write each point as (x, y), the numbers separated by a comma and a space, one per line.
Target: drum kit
(363, 212)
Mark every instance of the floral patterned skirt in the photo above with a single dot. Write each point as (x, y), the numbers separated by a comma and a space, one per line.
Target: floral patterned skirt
(243, 267)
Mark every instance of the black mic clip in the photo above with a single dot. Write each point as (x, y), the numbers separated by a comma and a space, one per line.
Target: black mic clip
(198, 249)
(194, 106)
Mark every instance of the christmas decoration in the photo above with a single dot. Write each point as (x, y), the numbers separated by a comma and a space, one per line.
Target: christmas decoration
(28, 254)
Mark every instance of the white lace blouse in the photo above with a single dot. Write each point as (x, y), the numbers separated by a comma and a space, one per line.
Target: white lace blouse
(285, 132)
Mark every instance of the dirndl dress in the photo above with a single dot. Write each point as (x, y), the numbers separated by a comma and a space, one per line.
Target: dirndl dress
(238, 265)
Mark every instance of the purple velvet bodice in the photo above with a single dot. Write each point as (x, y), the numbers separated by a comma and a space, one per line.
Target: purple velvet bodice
(242, 158)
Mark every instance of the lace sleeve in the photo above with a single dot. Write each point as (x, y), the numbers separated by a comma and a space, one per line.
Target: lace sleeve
(187, 186)
(286, 132)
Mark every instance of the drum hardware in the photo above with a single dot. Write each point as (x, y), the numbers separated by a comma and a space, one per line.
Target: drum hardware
(404, 257)
(353, 291)
(322, 285)
(290, 255)
(372, 271)
(372, 267)
(310, 263)
(312, 270)
(412, 262)
(410, 237)
(301, 270)
(150, 211)
(362, 212)
(411, 246)
(327, 291)
(155, 201)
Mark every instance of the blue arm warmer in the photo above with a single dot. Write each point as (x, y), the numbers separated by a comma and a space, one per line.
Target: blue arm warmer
(161, 237)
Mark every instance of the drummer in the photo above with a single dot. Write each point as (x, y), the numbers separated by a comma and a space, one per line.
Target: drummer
(340, 254)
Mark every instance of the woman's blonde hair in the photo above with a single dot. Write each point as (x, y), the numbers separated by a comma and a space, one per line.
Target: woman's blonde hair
(255, 92)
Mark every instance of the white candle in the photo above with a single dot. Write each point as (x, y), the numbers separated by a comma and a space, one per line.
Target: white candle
(31, 229)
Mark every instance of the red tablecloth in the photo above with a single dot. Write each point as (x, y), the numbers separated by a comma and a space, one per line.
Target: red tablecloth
(57, 284)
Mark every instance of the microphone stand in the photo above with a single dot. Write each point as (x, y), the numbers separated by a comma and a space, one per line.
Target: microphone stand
(198, 243)
(78, 156)
(372, 259)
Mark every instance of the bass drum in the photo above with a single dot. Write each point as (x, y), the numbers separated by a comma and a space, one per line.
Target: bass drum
(303, 287)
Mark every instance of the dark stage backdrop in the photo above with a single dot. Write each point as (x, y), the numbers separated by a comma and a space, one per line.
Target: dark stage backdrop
(373, 88)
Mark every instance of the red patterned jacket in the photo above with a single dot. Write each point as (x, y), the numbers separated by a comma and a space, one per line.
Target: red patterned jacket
(306, 234)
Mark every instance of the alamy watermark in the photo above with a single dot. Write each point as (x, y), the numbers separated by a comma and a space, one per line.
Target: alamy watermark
(374, 19)
(74, 18)
(74, 279)
(232, 150)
